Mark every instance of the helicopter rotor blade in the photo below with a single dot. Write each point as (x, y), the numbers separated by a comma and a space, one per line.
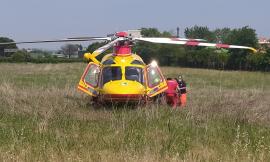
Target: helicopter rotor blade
(193, 43)
(187, 39)
(107, 46)
(59, 40)
(91, 38)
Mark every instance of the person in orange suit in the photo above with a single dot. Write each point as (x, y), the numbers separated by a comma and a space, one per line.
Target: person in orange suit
(182, 90)
(171, 92)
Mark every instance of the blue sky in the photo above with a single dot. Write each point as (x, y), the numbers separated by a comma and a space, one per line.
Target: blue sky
(49, 19)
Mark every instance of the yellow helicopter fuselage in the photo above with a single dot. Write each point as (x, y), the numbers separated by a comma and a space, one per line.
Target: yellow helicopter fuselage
(122, 78)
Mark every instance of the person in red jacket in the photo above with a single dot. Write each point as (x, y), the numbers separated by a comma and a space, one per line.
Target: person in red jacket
(171, 92)
(182, 91)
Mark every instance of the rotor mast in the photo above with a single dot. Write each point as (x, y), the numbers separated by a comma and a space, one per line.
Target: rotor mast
(122, 47)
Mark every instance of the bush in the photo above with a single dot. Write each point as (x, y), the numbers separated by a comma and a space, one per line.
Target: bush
(21, 56)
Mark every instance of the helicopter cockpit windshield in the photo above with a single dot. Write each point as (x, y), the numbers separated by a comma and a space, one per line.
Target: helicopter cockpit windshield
(111, 73)
(134, 74)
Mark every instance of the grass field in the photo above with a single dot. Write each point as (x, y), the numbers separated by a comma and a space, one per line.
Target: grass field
(44, 118)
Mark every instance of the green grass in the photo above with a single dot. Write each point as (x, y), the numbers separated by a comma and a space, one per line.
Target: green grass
(44, 118)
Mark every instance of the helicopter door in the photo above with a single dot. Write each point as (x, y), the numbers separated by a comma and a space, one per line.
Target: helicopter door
(155, 81)
(89, 80)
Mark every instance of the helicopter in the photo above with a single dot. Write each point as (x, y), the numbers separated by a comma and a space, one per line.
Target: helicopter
(123, 76)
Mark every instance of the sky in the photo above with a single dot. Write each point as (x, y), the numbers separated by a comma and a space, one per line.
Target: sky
(26, 20)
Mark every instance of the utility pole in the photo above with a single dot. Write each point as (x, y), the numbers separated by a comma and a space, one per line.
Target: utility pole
(177, 29)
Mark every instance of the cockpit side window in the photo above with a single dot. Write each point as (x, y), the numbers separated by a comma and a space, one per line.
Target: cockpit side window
(111, 73)
(153, 76)
(134, 73)
(91, 76)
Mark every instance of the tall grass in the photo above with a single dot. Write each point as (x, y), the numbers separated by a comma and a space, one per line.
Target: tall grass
(44, 118)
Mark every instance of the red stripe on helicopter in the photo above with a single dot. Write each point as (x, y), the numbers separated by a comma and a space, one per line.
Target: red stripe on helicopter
(223, 46)
(123, 97)
(158, 90)
(79, 86)
(82, 89)
(192, 43)
(89, 89)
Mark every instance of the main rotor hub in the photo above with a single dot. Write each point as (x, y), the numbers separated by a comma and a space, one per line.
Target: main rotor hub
(121, 34)
(122, 48)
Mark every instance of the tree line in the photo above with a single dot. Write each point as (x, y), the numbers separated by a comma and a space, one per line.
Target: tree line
(202, 57)
(205, 57)
(187, 56)
(67, 53)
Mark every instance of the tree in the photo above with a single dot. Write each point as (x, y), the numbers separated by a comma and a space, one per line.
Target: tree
(92, 47)
(244, 36)
(149, 51)
(222, 35)
(3, 47)
(266, 60)
(150, 32)
(200, 32)
(223, 57)
(69, 49)
(166, 54)
(21, 56)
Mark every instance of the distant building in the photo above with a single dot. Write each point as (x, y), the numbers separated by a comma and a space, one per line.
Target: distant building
(58, 55)
(264, 40)
(7, 52)
(264, 43)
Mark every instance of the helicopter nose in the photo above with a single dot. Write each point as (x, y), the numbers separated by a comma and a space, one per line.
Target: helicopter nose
(122, 91)
(123, 87)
